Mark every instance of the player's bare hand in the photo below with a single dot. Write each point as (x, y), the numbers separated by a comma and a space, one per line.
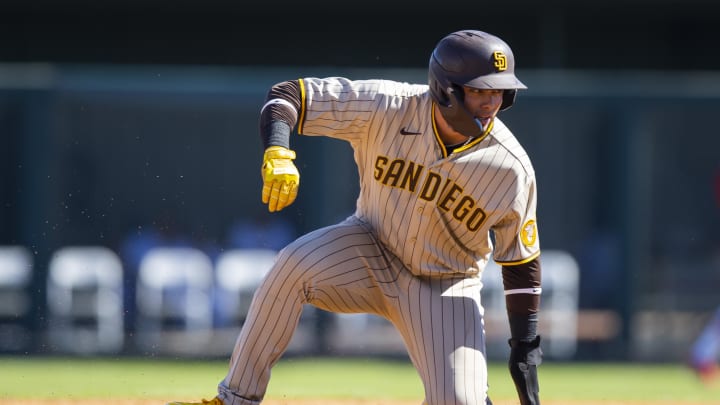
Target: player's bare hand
(280, 178)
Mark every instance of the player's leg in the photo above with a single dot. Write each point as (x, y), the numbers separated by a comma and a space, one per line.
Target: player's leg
(441, 322)
(328, 268)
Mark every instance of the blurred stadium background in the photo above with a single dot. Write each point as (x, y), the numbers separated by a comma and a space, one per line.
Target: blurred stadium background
(130, 127)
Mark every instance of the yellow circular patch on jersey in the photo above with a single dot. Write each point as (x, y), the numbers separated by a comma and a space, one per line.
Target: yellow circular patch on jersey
(528, 233)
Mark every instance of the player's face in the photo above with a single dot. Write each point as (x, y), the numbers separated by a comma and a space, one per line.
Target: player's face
(484, 104)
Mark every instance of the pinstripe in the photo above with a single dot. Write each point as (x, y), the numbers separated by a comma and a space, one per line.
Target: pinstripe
(342, 268)
(414, 250)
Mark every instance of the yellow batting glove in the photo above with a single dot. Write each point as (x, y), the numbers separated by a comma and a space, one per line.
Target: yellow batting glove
(280, 178)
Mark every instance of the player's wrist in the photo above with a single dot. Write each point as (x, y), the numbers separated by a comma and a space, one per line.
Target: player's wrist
(275, 133)
(278, 152)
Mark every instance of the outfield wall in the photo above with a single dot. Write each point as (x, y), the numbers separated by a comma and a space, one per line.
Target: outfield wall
(625, 160)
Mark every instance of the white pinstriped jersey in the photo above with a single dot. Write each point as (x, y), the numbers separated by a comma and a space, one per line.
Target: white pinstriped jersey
(431, 209)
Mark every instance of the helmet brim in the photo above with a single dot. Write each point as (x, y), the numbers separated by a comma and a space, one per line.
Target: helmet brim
(498, 81)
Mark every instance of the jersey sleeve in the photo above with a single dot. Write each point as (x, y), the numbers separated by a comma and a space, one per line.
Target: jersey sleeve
(347, 109)
(516, 235)
(338, 107)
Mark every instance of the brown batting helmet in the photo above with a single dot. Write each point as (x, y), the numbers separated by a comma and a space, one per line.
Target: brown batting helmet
(474, 59)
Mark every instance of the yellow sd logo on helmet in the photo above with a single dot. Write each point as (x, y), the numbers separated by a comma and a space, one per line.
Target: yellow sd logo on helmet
(500, 61)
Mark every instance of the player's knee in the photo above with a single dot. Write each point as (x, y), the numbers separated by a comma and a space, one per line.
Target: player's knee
(286, 278)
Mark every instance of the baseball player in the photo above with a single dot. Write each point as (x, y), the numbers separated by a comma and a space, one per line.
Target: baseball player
(444, 185)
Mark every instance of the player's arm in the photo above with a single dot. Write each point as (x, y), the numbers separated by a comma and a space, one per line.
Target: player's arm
(278, 117)
(522, 285)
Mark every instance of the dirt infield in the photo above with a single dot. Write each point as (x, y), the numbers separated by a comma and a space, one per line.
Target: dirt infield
(310, 402)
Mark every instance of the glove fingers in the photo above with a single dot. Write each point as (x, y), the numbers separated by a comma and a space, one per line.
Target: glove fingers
(293, 192)
(279, 195)
(283, 195)
(267, 188)
(274, 197)
(286, 195)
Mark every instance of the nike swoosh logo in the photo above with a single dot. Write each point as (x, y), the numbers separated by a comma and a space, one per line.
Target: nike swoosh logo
(404, 131)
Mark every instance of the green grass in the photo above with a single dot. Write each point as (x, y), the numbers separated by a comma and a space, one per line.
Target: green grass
(166, 379)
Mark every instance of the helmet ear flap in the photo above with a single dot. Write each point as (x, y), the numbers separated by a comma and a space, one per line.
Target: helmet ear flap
(457, 115)
(456, 94)
(508, 99)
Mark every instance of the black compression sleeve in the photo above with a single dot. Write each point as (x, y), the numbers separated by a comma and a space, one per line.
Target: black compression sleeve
(522, 304)
(276, 133)
(279, 114)
(523, 328)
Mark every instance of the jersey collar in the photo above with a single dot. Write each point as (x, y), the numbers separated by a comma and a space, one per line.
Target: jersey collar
(461, 148)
